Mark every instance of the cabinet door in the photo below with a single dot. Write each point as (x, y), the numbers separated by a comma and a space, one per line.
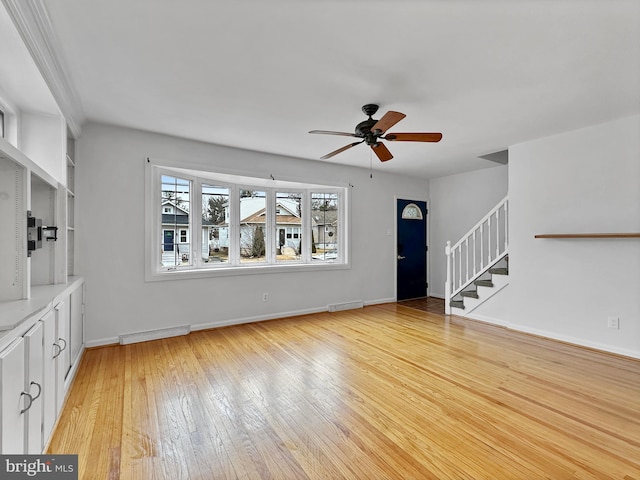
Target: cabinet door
(12, 399)
(33, 385)
(49, 396)
(63, 363)
(77, 323)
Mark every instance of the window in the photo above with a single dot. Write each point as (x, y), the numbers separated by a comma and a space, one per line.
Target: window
(240, 224)
(175, 196)
(324, 208)
(412, 212)
(252, 206)
(289, 246)
(215, 223)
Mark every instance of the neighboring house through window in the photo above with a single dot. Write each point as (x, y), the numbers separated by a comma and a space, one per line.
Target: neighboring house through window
(242, 223)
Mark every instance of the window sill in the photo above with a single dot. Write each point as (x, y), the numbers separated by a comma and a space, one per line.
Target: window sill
(228, 271)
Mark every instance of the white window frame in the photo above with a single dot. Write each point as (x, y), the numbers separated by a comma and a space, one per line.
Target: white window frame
(197, 267)
(305, 245)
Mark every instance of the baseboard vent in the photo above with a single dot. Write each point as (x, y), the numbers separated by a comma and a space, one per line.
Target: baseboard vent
(154, 334)
(336, 307)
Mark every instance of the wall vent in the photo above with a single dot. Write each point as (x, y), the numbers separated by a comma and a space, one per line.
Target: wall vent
(336, 307)
(154, 334)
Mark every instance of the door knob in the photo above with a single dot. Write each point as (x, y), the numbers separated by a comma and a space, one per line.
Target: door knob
(400, 257)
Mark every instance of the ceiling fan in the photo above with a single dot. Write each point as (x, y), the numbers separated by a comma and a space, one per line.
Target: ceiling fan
(372, 131)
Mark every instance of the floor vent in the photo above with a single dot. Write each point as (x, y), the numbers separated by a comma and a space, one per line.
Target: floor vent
(336, 307)
(154, 334)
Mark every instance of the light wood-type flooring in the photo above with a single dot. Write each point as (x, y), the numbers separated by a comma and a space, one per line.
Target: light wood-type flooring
(384, 392)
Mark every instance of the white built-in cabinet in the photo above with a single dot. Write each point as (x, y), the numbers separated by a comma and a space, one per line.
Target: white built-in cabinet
(51, 351)
(34, 380)
(61, 349)
(12, 368)
(37, 364)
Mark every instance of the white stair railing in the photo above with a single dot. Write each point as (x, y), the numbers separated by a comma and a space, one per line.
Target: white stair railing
(477, 251)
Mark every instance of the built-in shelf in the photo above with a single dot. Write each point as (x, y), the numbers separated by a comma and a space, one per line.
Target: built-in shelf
(588, 235)
(71, 202)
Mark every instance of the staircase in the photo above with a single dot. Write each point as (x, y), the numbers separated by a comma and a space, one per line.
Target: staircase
(481, 289)
(478, 264)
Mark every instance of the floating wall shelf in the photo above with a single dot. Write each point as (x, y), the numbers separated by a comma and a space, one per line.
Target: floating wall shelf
(589, 235)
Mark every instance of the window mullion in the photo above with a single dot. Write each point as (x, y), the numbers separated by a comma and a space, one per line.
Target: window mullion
(195, 240)
(234, 226)
(273, 226)
(306, 227)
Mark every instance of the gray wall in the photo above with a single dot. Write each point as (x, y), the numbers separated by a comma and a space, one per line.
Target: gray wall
(110, 239)
(457, 203)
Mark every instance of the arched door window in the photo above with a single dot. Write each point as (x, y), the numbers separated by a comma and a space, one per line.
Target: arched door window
(411, 212)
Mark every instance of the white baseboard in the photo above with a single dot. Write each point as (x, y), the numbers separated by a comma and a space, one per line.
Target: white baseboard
(576, 341)
(488, 319)
(257, 318)
(137, 337)
(144, 336)
(380, 301)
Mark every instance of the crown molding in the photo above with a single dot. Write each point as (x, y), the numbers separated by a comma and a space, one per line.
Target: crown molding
(34, 25)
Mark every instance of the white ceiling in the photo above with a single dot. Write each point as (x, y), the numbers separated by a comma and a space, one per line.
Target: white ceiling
(259, 74)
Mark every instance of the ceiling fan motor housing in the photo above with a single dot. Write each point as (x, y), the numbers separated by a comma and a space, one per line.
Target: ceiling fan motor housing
(363, 129)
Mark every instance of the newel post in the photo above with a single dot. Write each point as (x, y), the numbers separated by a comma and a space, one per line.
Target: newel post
(447, 283)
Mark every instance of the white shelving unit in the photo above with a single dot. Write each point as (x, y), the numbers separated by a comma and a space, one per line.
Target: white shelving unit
(71, 202)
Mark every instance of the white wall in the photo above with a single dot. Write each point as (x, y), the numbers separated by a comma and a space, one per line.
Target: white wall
(457, 203)
(110, 239)
(43, 138)
(578, 182)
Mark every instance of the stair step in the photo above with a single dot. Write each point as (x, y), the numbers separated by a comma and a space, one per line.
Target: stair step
(499, 271)
(457, 304)
(484, 283)
(470, 293)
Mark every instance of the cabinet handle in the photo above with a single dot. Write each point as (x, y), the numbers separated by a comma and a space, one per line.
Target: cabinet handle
(30, 402)
(39, 391)
(60, 349)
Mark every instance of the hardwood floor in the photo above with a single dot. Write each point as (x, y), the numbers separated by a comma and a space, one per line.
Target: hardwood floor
(384, 392)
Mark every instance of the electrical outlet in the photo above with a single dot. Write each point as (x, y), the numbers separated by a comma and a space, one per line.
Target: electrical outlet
(613, 322)
(265, 297)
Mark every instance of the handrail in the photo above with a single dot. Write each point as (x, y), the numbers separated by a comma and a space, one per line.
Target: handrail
(477, 251)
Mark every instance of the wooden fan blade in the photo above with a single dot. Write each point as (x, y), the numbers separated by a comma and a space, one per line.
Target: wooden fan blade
(413, 137)
(387, 121)
(340, 150)
(381, 151)
(328, 132)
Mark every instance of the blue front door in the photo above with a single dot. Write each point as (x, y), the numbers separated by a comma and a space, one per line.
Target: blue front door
(167, 240)
(411, 230)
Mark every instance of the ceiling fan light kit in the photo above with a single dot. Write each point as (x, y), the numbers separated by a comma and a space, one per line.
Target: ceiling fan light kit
(371, 131)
